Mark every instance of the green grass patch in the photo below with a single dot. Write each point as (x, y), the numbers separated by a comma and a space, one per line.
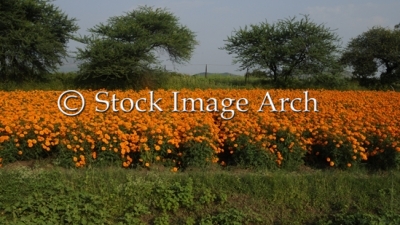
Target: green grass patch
(176, 81)
(40, 195)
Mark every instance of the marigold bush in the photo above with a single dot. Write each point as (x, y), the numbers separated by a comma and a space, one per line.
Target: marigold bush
(349, 129)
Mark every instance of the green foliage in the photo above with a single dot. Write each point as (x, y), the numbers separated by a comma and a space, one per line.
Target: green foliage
(162, 220)
(330, 82)
(248, 155)
(170, 198)
(225, 217)
(33, 38)
(383, 155)
(338, 149)
(360, 219)
(290, 149)
(51, 82)
(375, 52)
(52, 203)
(196, 154)
(175, 81)
(257, 73)
(179, 81)
(116, 196)
(283, 152)
(124, 49)
(285, 48)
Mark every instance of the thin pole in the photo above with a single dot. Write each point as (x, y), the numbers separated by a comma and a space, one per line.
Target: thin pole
(246, 76)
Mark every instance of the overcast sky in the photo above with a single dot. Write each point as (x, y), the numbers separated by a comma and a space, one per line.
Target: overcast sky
(213, 21)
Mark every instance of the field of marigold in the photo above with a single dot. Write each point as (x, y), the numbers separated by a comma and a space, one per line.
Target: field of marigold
(350, 128)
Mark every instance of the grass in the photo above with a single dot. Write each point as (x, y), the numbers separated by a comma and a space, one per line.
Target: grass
(54, 82)
(212, 81)
(175, 81)
(43, 195)
(62, 82)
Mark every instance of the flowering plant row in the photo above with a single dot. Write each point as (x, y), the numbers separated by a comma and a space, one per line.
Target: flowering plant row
(347, 129)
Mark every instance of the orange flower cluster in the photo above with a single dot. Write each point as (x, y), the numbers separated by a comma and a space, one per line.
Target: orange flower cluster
(349, 127)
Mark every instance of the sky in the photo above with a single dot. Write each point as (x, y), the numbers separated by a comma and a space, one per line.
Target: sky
(214, 21)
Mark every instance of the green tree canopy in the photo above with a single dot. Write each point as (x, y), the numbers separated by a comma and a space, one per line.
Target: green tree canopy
(125, 47)
(285, 48)
(375, 52)
(33, 38)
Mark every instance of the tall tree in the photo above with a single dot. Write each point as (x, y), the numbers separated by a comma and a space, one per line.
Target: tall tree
(33, 38)
(375, 52)
(125, 47)
(285, 48)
